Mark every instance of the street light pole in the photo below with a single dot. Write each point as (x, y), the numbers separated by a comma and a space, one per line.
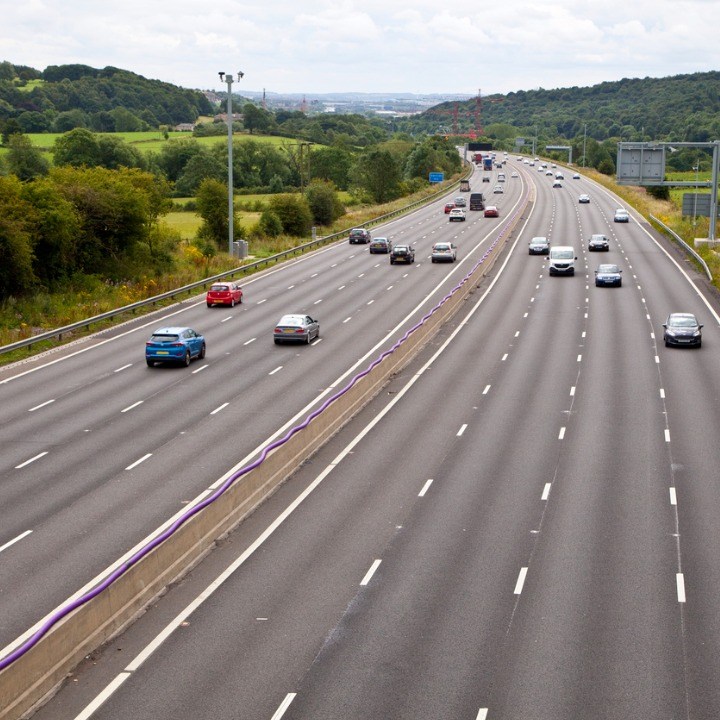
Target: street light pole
(584, 142)
(697, 170)
(228, 78)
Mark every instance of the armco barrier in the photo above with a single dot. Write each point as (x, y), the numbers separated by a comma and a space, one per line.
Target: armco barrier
(36, 673)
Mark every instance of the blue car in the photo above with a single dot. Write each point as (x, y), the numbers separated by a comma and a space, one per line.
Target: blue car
(174, 344)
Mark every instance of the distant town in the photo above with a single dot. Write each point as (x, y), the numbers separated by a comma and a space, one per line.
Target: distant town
(394, 105)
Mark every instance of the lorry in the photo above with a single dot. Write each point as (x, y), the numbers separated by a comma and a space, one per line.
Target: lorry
(487, 163)
(464, 186)
(477, 158)
(477, 201)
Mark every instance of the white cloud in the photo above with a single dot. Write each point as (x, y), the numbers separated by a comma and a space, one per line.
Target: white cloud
(373, 45)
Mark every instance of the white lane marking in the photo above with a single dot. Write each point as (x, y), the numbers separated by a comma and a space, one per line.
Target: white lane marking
(461, 430)
(390, 287)
(520, 581)
(680, 581)
(334, 265)
(673, 498)
(482, 714)
(370, 302)
(277, 369)
(657, 360)
(124, 367)
(260, 302)
(546, 491)
(317, 302)
(652, 334)
(361, 275)
(532, 299)
(342, 287)
(561, 434)
(504, 357)
(130, 407)
(224, 320)
(200, 369)
(517, 333)
(284, 705)
(572, 391)
(103, 697)
(14, 540)
(667, 435)
(31, 460)
(218, 409)
(662, 393)
(42, 405)
(583, 334)
(251, 340)
(579, 358)
(486, 390)
(525, 315)
(370, 572)
(314, 275)
(426, 487)
(137, 462)
(347, 319)
(290, 287)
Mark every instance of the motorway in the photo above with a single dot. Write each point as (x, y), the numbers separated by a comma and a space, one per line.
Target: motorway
(521, 525)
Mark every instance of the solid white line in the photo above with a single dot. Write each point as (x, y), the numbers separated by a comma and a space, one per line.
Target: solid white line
(251, 340)
(103, 697)
(461, 430)
(426, 487)
(17, 539)
(486, 390)
(482, 714)
(32, 459)
(520, 581)
(284, 705)
(218, 409)
(277, 369)
(561, 434)
(134, 405)
(673, 498)
(680, 580)
(137, 462)
(370, 572)
(546, 491)
(667, 435)
(124, 367)
(42, 405)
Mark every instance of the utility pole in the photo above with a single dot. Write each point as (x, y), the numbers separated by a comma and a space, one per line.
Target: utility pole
(228, 78)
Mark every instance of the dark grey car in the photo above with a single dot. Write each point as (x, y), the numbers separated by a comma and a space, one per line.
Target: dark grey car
(296, 328)
(682, 329)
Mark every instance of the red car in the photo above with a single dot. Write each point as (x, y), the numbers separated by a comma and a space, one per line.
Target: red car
(491, 211)
(227, 293)
(449, 207)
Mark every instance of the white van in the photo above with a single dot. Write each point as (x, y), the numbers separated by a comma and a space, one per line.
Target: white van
(501, 177)
(561, 260)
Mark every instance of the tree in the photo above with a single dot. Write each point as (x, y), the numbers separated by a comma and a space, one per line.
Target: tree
(77, 147)
(332, 164)
(200, 167)
(255, 118)
(377, 173)
(323, 202)
(16, 216)
(114, 152)
(294, 213)
(212, 196)
(25, 160)
(175, 155)
(270, 224)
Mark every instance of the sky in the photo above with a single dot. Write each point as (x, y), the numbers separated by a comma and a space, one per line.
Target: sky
(386, 46)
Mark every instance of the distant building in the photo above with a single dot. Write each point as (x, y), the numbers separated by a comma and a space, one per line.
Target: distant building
(185, 127)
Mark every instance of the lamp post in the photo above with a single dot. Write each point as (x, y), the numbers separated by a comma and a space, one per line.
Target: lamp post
(302, 168)
(584, 142)
(697, 170)
(228, 78)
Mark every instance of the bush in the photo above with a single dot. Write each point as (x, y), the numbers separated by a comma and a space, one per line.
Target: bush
(270, 224)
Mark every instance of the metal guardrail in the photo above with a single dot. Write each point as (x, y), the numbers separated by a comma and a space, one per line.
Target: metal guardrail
(684, 244)
(242, 270)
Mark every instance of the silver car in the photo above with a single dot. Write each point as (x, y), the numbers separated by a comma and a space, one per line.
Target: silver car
(443, 252)
(296, 328)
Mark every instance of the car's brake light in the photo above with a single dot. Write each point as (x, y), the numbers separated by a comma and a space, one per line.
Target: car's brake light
(298, 330)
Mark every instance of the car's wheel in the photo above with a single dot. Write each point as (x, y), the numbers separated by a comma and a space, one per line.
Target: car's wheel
(699, 345)
(392, 262)
(277, 341)
(186, 359)
(667, 344)
(150, 363)
(202, 351)
(232, 302)
(209, 304)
